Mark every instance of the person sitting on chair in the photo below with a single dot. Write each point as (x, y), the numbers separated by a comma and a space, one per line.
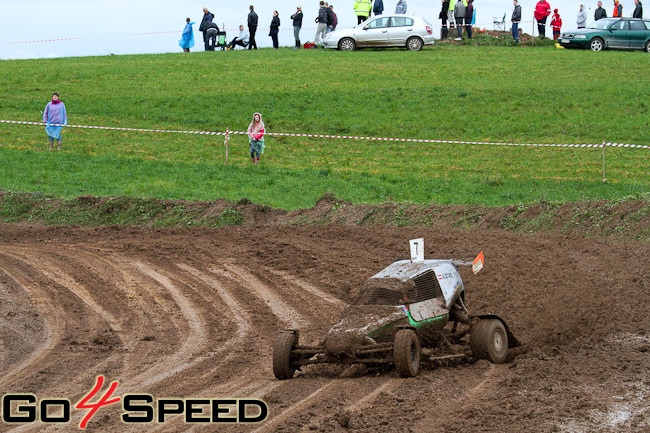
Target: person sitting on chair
(241, 39)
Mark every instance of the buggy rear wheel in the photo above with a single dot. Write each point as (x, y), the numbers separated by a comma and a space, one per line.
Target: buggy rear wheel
(489, 340)
(282, 368)
(406, 353)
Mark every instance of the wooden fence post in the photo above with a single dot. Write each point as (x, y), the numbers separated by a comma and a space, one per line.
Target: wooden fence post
(226, 142)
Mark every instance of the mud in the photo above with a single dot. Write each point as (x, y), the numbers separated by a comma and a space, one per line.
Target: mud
(194, 313)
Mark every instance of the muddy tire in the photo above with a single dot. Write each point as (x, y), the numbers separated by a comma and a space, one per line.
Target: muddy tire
(406, 353)
(414, 43)
(489, 340)
(282, 368)
(347, 44)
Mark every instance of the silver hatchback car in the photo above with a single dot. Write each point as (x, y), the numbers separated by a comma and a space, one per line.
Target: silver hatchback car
(408, 31)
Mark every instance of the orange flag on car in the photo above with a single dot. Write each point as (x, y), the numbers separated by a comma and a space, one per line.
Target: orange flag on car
(478, 263)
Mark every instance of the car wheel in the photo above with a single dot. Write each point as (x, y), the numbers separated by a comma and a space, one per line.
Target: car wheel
(347, 44)
(597, 44)
(489, 340)
(647, 47)
(406, 353)
(282, 367)
(414, 43)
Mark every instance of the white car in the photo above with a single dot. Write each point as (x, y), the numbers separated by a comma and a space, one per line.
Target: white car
(408, 31)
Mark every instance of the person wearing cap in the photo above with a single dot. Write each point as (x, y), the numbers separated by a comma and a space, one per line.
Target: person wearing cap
(297, 25)
(582, 18)
(556, 23)
(542, 11)
(207, 19)
(600, 12)
(256, 137)
(618, 9)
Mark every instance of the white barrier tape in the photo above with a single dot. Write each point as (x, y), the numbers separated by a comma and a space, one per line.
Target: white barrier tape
(340, 137)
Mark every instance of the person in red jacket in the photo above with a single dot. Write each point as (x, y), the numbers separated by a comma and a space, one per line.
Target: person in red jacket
(618, 9)
(556, 23)
(542, 11)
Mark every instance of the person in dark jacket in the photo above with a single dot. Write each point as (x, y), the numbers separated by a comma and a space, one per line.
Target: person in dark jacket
(211, 34)
(516, 18)
(275, 29)
(297, 25)
(378, 9)
(336, 19)
(469, 13)
(638, 10)
(600, 12)
(443, 16)
(252, 28)
(330, 18)
(207, 18)
(321, 30)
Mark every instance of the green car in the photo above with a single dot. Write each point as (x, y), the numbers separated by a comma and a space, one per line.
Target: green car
(611, 33)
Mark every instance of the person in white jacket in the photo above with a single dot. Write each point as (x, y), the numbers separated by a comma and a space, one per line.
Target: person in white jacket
(582, 18)
(242, 39)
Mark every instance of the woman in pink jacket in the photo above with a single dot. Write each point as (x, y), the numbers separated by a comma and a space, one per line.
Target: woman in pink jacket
(542, 11)
(256, 137)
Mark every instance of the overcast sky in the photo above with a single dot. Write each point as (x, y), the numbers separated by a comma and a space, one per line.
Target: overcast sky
(102, 27)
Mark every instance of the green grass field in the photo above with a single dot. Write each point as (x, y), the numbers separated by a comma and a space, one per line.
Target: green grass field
(499, 94)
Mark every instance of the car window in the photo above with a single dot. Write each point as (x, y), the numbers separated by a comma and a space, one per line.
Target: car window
(637, 25)
(602, 24)
(621, 25)
(378, 23)
(401, 22)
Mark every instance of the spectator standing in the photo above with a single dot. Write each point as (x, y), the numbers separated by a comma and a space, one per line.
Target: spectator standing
(444, 14)
(542, 11)
(207, 18)
(582, 18)
(187, 40)
(401, 7)
(275, 29)
(378, 9)
(516, 19)
(336, 19)
(638, 10)
(252, 28)
(330, 18)
(556, 23)
(54, 114)
(600, 12)
(618, 9)
(469, 14)
(321, 19)
(256, 137)
(242, 39)
(362, 10)
(451, 13)
(459, 14)
(297, 25)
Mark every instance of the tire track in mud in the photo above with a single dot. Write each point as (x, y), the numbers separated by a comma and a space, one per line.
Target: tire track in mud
(194, 342)
(285, 313)
(53, 321)
(320, 295)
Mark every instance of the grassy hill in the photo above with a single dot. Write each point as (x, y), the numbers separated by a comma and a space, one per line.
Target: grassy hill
(501, 94)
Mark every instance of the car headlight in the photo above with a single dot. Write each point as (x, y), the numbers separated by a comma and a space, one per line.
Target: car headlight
(580, 36)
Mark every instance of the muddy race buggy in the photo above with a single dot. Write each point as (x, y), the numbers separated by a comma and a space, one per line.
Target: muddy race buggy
(408, 304)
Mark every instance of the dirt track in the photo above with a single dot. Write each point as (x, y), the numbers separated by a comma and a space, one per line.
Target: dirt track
(194, 312)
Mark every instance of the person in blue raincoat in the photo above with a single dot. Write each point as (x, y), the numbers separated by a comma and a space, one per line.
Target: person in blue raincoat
(187, 41)
(54, 116)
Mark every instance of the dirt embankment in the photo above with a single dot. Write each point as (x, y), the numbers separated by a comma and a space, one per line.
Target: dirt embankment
(613, 219)
(193, 312)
